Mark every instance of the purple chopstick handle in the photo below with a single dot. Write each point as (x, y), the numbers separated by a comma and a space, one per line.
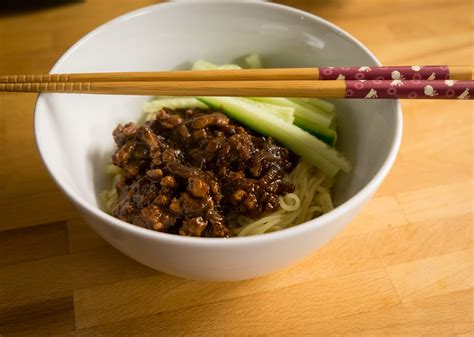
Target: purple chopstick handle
(447, 89)
(385, 73)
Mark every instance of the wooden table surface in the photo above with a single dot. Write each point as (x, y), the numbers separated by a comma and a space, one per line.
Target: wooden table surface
(402, 267)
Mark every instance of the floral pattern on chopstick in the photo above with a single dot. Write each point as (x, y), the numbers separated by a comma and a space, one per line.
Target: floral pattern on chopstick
(385, 73)
(412, 89)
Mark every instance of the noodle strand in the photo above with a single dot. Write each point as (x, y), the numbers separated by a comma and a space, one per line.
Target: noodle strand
(309, 199)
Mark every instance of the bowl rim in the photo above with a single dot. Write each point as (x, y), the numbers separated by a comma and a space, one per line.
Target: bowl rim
(359, 198)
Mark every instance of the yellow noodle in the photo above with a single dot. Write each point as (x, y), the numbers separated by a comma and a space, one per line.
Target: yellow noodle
(325, 200)
(290, 202)
(313, 200)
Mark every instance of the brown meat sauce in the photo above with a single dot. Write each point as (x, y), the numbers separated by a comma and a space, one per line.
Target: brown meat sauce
(184, 171)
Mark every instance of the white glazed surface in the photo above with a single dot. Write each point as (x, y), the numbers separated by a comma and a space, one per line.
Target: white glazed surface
(73, 132)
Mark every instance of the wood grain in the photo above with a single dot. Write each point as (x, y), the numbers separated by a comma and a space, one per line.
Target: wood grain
(459, 72)
(298, 88)
(444, 315)
(446, 273)
(403, 266)
(33, 243)
(59, 276)
(297, 303)
(39, 319)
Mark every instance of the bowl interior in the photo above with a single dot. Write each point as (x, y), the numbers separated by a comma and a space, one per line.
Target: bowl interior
(74, 131)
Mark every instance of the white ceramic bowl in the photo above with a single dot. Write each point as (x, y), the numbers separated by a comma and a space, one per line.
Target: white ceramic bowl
(73, 132)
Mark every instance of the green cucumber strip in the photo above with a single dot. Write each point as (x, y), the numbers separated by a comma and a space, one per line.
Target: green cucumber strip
(325, 134)
(173, 103)
(318, 103)
(309, 124)
(176, 102)
(229, 67)
(318, 153)
(284, 113)
(160, 98)
(151, 108)
(204, 65)
(253, 61)
(311, 115)
(329, 115)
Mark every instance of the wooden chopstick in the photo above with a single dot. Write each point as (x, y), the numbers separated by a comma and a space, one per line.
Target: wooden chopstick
(279, 74)
(411, 89)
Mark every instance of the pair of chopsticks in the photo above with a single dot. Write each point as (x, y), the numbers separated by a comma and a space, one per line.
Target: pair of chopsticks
(439, 82)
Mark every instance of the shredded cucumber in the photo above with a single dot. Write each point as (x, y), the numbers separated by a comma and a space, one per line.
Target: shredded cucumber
(327, 135)
(229, 67)
(310, 115)
(170, 97)
(305, 118)
(173, 102)
(318, 153)
(318, 103)
(329, 115)
(151, 108)
(253, 61)
(204, 65)
(284, 113)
